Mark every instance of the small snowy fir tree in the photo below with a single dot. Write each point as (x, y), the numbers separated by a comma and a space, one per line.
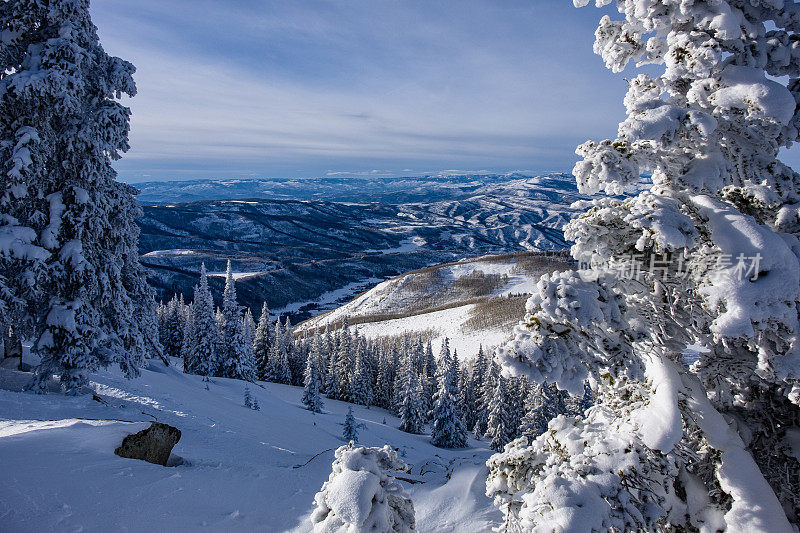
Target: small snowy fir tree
(350, 430)
(362, 495)
(333, 383)
(484, 398)
(187, 348)
(384, 396)
(204, 348)
(703, 252)
(70, 276)
(248, 398)
(448, 429)
(543, 403)
(261, 344)
(279, 371)
(410, 408)
(236, 360)
(360, 389)
(312, 398)
(499, 428)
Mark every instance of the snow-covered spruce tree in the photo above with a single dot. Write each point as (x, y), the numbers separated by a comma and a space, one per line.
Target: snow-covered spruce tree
(249, 325)
(333, 382)
(488, 385)
(410, 408)
(294, 355)
(279, 371)
(350, 426)
(362, 495)
(312, 398)
(543, 403)
(236, 359)
(499, 426)
(578, 405)
(715, 232)
(70, 278)
(203, 354)
(448, 429)
(360, 388)
(261, 344)
(187, 346)
(248, 397)
(466, 397)
(174, 326)
(384, 389)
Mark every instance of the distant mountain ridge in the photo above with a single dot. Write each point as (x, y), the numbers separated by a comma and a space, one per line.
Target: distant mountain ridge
(304, 255)
(357, 189)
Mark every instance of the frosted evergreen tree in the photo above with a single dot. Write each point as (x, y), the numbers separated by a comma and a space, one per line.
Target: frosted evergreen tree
(294, 353)
(466, 398)
(236, 359)
(249, 325)
(715, 228)
(499, 429)
(577, 405)
(478, 375)
(488, 385)
(362, 495)
(343, 363)
(448, 429)
(189, 341)
(517, 393)
(320, 355)
(360, 388)
(70, 276)
(333, 383)
(312, 398)
(279, 371)
(248, 398)
(204, 346)
(261, 344)
(430, 361)
(174, 326)
(350, 430)
(384, 385)
(410, 407)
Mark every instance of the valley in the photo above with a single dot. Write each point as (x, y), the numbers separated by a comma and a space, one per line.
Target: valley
(307, 255)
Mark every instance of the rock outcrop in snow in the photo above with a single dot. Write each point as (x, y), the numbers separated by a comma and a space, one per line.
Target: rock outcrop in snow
(153, 444)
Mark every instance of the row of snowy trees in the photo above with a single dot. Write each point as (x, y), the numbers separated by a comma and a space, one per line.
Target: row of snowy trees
(448, 396)
(402, 374)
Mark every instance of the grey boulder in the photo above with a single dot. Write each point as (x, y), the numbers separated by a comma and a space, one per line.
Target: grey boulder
(153, 444)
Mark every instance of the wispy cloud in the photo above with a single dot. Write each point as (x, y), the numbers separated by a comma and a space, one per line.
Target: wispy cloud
(249, 87)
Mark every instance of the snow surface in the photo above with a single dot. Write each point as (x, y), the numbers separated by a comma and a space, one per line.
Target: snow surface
(399, 294)
(60, 471)
(447, 323)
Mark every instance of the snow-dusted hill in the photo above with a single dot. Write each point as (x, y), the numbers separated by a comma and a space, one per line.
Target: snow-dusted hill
(304, 256)
(472, 302)
(239, 470)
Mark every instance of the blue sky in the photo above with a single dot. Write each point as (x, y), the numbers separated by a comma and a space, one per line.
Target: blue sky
(256, 88)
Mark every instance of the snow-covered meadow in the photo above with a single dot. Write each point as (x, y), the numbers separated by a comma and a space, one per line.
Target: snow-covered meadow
(236, 469)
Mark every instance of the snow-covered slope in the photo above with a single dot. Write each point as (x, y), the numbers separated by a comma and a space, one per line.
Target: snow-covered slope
(472, 302)
(239, 470)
